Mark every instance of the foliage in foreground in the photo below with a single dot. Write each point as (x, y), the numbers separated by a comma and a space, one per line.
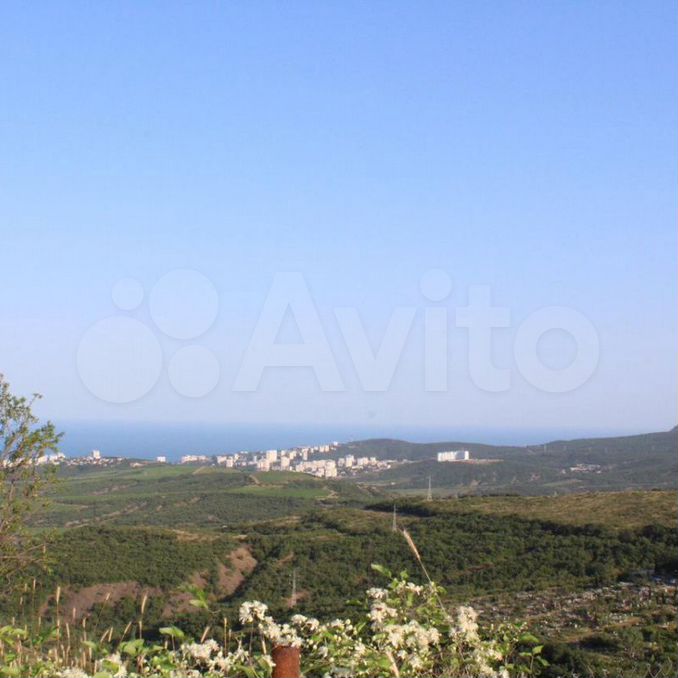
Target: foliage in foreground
(22, 481)
(404, 630)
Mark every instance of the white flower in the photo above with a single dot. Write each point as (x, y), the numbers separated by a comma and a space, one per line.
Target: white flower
(395, 635)
(303, 621)
(380, 612)
(377, 593)
(409, 587)
(414, 588)
(226, 663)
(72, 672)
(280, 635)
(252, 611)
(466, 621)
(200, 651)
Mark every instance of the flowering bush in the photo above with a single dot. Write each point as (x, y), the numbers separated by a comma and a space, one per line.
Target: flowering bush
(404, 630)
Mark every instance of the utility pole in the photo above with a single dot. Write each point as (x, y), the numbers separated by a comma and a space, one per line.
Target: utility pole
(394, 527)
(429, 494)
(293, 597)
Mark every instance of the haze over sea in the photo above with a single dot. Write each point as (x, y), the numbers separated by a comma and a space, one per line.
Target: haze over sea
(145, 440)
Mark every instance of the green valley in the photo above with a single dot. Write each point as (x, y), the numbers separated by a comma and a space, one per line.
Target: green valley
(593, 573)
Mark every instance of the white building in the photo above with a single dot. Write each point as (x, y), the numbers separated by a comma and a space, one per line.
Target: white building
(54, 458)
(271, 455)
(96, 455)
(194, 458)
(454, 455)
(162, 459)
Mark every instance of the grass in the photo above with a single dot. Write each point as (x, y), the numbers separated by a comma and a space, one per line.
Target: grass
(186, 496)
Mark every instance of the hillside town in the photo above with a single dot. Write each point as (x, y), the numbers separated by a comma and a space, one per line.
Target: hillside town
(301, 461)
(321, 461)
(312, 460)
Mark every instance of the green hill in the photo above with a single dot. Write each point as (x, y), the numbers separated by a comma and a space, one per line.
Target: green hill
(573, 566)
(629, 462)
(203, 497)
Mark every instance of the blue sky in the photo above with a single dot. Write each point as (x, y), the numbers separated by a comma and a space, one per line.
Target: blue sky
(526, 146)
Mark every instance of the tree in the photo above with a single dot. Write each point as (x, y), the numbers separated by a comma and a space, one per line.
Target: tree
(23, 480)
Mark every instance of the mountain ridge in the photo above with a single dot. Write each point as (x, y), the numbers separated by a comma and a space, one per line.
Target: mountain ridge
(642, 461)
(400, 446)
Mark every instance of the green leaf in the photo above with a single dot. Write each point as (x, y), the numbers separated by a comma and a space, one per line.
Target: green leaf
(381, 570)
(173, 632)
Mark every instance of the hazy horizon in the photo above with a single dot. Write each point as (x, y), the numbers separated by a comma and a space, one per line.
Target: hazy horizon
(149, 439)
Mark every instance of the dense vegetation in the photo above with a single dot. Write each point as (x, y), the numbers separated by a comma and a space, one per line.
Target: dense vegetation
(618, 511)
(306, 545)
(150, 557)
(470, 554)
(187, 496)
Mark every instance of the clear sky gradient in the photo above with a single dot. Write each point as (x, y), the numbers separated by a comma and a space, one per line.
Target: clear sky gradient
(527, 146)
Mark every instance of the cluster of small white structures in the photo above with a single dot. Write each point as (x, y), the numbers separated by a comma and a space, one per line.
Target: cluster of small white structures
(94, 458)
(331, 468)
(268, 460)
(298, 460)
(192, 459)
(55, 458)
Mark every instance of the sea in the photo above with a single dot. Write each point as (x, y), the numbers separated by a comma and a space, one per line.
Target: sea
(146, 440)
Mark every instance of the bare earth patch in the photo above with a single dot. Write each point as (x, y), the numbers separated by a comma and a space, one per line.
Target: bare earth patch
(242, 564)
(77, 604)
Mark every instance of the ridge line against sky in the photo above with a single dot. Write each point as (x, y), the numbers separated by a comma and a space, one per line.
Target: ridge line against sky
(146, 439)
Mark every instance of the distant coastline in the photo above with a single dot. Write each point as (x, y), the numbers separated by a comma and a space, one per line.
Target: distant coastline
(146, 440)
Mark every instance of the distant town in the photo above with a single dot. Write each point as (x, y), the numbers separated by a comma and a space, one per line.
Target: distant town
(313, 460)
